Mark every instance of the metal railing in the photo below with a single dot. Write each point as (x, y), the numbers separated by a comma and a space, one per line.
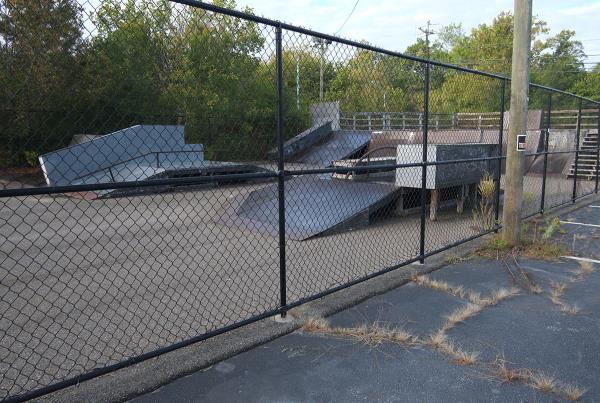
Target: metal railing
(370, 121)
(414, 121)
(92, 286)
(567, 119)
(111, 166)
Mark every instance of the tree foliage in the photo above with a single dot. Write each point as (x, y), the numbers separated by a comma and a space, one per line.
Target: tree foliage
(38, 74)
(65, 71)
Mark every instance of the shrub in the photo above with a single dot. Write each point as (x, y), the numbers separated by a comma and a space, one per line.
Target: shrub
(483, 214)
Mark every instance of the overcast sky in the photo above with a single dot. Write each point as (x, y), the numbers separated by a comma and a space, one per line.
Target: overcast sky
(393, 24)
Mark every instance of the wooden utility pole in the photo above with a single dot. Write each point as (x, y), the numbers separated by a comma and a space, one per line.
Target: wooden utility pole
(322, 45)
(427, 31)
(517, 125)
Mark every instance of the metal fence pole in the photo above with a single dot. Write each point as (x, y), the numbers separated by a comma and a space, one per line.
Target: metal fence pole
(500, 140)
(280, 172)
(577, 135)
(425, 123)
(546, 139)
(597, 150)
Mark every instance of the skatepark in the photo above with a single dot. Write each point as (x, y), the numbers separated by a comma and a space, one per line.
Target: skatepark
(215, 246)
(327, 202)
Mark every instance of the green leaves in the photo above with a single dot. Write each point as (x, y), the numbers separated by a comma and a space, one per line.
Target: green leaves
(39, 43)
(67, 70)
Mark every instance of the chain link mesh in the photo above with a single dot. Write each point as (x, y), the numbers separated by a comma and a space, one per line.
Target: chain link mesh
(140, 173)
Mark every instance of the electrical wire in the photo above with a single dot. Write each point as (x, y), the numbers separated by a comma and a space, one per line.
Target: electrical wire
(347, 18)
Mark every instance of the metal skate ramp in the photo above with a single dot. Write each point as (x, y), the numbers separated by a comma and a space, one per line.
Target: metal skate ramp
(313, 206)
(131, 154)
(338, 145)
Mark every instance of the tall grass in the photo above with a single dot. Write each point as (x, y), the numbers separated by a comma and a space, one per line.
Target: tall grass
(483, 213)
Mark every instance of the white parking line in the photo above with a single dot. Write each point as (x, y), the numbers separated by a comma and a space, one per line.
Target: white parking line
(582, 259)
(594, 206)
(580, 223)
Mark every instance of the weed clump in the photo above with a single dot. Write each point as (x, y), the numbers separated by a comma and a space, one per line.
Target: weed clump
(573, 392)
(570, 309)
(543, 382)
(442, 286)
(552, 226)
(372, 335)
(439, 341)
(543, 249)
(494, 248)
(455, 259)
(586, 267)
(484, 216)
(316, 325)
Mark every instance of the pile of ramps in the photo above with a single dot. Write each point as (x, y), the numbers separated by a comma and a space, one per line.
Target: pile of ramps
(137, 153)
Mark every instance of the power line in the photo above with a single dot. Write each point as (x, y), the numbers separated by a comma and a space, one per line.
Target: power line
(347, 18)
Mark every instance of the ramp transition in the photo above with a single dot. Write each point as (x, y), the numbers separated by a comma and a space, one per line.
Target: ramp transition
(338, 145)
(320, 145)
(313, 206)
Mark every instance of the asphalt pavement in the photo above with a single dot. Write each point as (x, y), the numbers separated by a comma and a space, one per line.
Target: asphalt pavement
(528, 332)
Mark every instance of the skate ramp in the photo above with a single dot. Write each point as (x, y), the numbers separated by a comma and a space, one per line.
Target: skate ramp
(134, 153)
(339, 145)
(313, 206)
(319, 145)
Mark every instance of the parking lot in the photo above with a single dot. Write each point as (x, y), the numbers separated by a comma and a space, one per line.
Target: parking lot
(531, 346)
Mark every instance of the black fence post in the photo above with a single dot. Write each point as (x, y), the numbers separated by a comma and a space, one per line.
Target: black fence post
(597, 150)
(424, 166)
(546, 139)
(500, 140)
(577, 134)
(280, 173)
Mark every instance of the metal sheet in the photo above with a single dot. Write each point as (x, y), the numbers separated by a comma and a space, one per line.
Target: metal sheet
(340, 145)
(67, 165)
(313, 206)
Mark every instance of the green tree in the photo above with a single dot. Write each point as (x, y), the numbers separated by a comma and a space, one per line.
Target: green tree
(588, 84)
(488, 47)
(556, 62)
(559, 62)
(129, 67)
(374, 82)
(39, 45)
(228, 86)
(451, 36)
(465, 92)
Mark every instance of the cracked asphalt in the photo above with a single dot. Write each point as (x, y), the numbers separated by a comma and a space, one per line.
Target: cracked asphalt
(527, 331)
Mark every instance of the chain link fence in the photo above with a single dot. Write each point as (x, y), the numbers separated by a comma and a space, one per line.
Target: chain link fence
(171, 170)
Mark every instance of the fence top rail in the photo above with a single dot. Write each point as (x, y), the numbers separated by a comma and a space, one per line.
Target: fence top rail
(333, 38)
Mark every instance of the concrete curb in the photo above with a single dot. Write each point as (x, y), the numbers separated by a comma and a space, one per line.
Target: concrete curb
(150, 375)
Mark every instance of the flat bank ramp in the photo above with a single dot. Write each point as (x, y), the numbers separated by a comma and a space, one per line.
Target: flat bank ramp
(338, 145)
(313, 206)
